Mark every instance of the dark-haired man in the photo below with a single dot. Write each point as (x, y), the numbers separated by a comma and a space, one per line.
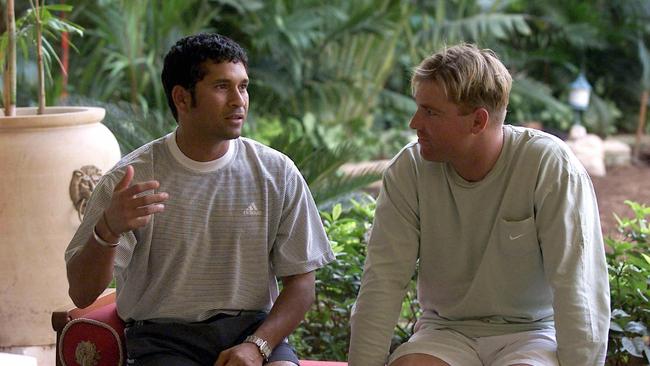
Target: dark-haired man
(197, 225)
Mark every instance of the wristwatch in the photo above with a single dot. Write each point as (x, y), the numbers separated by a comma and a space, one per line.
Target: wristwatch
(261, 344)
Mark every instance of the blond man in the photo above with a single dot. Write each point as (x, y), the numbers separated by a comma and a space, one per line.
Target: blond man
(504, 224)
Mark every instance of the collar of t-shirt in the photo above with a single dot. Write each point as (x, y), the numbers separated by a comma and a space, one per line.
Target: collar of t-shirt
(499, 165)
(198, 166)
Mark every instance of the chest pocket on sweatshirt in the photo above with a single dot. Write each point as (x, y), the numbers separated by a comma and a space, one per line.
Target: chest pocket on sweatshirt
(518, 238)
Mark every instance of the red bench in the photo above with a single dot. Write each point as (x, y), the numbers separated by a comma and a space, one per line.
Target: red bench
(95, 336)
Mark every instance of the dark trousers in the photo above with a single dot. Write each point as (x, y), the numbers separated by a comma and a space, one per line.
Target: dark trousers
(194, 344)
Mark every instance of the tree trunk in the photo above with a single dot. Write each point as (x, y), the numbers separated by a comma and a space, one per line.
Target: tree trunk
(39, 58)
(641, 127)
(9, 91)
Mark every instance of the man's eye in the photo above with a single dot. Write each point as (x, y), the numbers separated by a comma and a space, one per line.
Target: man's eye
(243, 87)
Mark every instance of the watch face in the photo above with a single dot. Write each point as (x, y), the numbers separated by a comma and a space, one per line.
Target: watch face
(261, 344)
(266, 350)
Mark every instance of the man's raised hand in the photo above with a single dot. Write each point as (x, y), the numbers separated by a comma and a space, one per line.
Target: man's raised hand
(128, 212)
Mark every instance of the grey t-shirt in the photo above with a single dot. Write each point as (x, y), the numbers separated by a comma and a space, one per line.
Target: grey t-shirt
(230, 227)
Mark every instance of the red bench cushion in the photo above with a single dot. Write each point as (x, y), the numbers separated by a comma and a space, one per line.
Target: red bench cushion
(98, 336)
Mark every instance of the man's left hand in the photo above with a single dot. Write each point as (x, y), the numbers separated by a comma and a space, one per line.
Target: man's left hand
(245, 354)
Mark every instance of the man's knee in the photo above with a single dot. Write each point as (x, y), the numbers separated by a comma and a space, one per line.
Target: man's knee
(418, 359)
(281, 363)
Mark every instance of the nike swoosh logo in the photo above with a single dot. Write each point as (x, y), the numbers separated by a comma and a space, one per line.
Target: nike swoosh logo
(515, 237)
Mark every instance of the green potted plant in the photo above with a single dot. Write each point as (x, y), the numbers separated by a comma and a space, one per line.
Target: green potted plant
(49, 154)
(29, 28)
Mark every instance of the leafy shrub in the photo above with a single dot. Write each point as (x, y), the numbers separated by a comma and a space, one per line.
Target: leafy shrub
(325, 333)
(629, 277)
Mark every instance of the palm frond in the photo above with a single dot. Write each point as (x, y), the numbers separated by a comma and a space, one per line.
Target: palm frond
(335, 188)
(131, 126)
(332, 65)
(320, 165)
(601, 116)
(644, 58)
(537, 91)
(497, 25)
(432, 31)
(531, 100)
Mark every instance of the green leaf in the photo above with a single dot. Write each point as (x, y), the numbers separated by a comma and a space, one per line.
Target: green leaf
(631, 347)
(336, 211)
(619, 313)
(614, 326)
(637, 328)
(58, 7)
(646, 257)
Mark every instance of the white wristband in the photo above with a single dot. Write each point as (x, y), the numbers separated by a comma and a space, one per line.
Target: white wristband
(103, 242)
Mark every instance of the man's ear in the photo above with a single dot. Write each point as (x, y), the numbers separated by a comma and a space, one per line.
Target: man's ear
(182, 98)
(481, 120)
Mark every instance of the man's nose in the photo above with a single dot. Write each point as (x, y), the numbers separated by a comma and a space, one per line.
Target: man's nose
(413, 123)
(238, 98)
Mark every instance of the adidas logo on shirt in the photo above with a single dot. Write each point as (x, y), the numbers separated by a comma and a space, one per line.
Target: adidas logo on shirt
(252, 210)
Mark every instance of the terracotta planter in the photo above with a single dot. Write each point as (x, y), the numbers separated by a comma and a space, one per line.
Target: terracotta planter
(38, 157)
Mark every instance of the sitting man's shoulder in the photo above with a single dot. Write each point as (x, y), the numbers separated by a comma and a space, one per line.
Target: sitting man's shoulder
(266, 153)
(141, 159)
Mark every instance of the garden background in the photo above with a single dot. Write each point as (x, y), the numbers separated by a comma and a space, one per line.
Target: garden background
(330, 85)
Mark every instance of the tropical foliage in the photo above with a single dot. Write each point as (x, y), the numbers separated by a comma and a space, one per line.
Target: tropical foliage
(347, 63)
(125, 43)
(629, 278)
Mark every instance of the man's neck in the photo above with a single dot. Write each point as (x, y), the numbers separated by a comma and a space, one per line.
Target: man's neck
(198, 148)
(483, 155)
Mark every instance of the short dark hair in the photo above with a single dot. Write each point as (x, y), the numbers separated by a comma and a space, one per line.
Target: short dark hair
(184, 62)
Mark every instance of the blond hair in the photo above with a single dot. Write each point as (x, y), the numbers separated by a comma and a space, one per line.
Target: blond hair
(469, 76)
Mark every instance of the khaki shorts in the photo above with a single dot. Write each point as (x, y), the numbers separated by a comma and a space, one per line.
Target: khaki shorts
(536, 348)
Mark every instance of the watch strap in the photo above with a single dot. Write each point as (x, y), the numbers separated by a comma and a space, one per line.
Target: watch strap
(262, 346)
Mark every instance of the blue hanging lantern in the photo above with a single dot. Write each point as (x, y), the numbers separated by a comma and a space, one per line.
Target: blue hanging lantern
(580, 93)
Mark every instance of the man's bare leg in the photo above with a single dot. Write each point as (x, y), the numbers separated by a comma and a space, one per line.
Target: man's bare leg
(419, 359)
